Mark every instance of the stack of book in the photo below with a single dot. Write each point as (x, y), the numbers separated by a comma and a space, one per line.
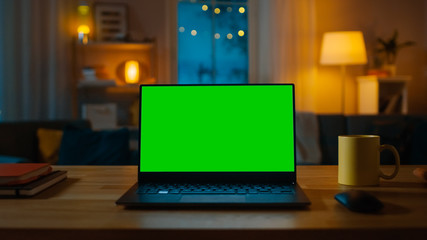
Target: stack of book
(27, 179)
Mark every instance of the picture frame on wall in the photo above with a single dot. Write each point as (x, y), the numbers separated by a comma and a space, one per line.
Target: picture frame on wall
(111, 22)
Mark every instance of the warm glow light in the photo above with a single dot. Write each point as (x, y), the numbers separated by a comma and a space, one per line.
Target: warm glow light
(217, 10)
(205, 7)
(132, 72)
(193, 32)
(83, 10)
(343, 48)
(229, 36)
(242, 10)
(241, 33)
(181, 29)
(217, 35)
(83, 29)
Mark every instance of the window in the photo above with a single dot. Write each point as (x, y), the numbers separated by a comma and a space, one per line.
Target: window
(212, 42)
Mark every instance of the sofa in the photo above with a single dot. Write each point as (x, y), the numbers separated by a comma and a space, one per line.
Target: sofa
(65, 142)
(408, 133)
(73, 142)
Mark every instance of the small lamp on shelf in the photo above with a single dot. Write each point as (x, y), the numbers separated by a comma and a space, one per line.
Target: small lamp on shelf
(83, 34)
(129, 73)
(343, 48)
(132, 72)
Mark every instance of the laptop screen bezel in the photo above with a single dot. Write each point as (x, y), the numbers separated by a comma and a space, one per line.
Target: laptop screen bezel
(217, 177)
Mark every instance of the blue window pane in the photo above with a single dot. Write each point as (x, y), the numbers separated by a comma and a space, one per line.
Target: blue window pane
(231, 45)
(194, 43)
(212, 42)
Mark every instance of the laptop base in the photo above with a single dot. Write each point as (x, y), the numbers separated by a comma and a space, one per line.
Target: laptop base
(134, 199)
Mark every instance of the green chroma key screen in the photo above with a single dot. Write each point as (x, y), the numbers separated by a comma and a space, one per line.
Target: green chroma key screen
(217, 128)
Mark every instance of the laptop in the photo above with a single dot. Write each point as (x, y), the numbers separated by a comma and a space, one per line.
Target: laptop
(216, 145)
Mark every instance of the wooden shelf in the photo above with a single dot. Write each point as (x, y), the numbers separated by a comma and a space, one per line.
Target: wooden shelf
(123, 89)
(117, 46)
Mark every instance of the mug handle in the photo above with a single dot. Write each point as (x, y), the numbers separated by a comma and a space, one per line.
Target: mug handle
(396, 157)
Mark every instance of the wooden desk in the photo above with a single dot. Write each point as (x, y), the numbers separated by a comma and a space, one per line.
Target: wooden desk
(83, 207)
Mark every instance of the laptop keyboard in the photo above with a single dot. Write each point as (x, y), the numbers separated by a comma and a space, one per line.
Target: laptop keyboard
(155, 188)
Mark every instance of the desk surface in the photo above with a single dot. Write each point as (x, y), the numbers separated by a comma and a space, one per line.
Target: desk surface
(86, 202)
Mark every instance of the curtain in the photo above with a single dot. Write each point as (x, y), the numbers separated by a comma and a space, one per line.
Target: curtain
(282, 46)
(36, 70)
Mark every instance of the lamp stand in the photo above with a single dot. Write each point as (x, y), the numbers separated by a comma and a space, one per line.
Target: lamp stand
(343, 89)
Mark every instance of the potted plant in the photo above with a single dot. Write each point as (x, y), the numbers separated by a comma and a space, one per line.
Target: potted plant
(389, 48)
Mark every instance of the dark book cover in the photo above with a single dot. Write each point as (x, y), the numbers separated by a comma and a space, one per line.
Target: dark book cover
(34, 187)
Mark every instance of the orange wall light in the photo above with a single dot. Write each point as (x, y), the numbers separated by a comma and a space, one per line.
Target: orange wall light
(132, 72)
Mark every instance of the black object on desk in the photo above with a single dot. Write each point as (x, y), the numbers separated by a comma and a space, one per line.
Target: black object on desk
(359, 201)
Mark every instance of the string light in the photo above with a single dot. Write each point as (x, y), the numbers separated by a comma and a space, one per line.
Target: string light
(241, 33)
(242, 10)
(217, 10)
(229, 36)
(205, 7)
(217, 35)
(193, 32)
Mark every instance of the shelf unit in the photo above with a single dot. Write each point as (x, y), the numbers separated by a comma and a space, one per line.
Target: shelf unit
(116, 46)
(108, 58)
(382, 95)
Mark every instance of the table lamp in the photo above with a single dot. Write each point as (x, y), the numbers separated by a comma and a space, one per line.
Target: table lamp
(83, 18)
(343, 48)
(83, 33)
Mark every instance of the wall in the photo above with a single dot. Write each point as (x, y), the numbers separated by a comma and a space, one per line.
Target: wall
(375, 18)
(150, 19)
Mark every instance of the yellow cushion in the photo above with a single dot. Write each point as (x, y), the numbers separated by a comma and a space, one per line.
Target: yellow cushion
(49, 143)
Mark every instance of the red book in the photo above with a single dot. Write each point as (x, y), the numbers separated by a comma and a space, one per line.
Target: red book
(20, 173)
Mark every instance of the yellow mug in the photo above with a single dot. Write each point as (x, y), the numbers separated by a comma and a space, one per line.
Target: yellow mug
(359, 160)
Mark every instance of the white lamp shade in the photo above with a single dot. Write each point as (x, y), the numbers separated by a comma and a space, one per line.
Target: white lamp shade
(343, 48)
